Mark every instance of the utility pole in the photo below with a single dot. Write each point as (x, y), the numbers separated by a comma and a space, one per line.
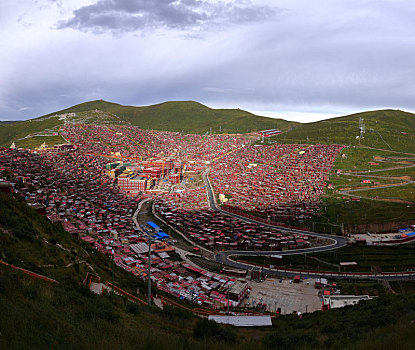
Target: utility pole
(228, 298)
(149, 272)
(112, 267)
(193, 297)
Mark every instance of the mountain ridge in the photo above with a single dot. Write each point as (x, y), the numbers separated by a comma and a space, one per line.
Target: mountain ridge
(180, 116)
(388, 128)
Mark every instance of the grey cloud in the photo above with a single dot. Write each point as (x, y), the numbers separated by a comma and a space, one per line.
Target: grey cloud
(120, 16)
(353, 56)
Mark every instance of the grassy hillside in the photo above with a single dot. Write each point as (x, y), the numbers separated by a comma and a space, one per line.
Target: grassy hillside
(33, 132)
(193, 117)
(31, 241)
(13, 132)
(38, 315)
(186, 116)
(65, 315)
(385, 129)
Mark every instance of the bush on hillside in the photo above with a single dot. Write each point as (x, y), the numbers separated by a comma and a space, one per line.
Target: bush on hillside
(172, 312)
(205, 329)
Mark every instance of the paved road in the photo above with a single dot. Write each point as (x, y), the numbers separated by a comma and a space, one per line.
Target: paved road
(137, 211)
(224, 258)
(369, 173)
(347, 192)
(336, 242)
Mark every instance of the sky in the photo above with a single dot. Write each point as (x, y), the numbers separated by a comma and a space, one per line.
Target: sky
(293, 59)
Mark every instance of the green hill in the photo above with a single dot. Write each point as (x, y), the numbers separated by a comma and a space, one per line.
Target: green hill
(186, 116)
(33, 132)
(13, 132)
(385, 129)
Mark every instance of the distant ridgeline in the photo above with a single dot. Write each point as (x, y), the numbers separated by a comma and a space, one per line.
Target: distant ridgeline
(180, 116)
(384, 129)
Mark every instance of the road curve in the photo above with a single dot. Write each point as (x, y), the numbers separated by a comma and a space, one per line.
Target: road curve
(337, 242)
(224, 259)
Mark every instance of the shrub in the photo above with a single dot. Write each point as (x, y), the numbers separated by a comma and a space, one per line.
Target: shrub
(205, 329)
(132, 308)
(108, 314)
(172, 312)
(291, 341)
(30, 291)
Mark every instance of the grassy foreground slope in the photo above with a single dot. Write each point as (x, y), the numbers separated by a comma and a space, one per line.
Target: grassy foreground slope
(36, 314)
(385, 129)
(65, 315)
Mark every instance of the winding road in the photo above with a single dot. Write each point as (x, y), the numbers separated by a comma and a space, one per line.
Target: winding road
(337, 242)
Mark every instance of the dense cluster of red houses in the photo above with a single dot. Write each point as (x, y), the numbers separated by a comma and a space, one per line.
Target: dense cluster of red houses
(72, 189)
(281, 182)
(77, 187)
(134, 143)
(216, 231)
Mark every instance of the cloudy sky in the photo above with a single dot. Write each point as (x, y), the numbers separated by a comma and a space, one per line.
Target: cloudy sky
(296, 59)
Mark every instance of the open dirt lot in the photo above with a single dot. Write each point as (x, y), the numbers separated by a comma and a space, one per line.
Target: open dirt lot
(299, 297)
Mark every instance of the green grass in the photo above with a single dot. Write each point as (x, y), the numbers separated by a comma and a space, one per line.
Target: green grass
(372, 288)
(337, 210)
(36, 141)
(97, 117)
(349, 327)
(385, 259)
(339, 181)
(402, 192)
(38, 315)
(384, 130)
(29, 240)
(12, 132)
(358, 158)
(186, 116)
(398, 172)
